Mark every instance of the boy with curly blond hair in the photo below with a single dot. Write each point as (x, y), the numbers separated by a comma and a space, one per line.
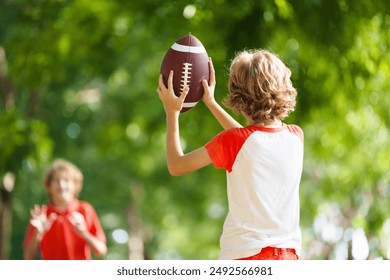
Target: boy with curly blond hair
(263, 159)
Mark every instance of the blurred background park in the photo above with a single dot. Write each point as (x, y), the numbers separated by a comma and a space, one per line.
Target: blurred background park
(78, 81)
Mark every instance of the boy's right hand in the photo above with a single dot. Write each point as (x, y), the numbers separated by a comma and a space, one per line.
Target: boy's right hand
(39, 219)
(208, 96)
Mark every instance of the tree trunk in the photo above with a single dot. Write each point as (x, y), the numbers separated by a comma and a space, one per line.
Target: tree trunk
(136, 241)
(5, 84)
(8, 181)
(6, 187)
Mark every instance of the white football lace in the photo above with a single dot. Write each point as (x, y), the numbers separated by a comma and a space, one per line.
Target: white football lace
(185, 75)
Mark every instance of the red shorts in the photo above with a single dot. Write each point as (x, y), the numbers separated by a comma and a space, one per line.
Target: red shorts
(272, 253)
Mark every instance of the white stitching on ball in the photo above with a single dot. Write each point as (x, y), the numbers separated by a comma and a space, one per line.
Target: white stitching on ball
(185, 75)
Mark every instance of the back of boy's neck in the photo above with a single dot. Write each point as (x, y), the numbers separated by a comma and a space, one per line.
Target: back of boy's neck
(275, 124)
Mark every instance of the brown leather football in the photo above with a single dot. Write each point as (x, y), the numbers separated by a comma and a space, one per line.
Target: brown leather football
(188, 59)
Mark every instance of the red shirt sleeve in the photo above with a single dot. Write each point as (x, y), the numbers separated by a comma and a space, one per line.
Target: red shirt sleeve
(224, 147)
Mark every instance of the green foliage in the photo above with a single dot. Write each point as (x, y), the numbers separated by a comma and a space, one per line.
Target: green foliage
(95, 65)
(22, 140)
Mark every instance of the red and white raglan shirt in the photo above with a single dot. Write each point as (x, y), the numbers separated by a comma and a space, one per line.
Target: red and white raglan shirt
(264, 167)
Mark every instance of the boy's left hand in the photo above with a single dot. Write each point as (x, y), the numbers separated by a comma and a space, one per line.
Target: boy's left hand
(78, 222)
(171, 102)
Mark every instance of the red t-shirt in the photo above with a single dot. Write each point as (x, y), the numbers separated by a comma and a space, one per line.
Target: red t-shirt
(61, 241)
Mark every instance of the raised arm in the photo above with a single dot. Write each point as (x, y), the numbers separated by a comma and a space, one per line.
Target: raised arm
(39, 223)
(98, 247)
(178, 163)
(219, 113)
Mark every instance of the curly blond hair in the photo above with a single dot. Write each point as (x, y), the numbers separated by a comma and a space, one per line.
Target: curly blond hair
(260, 87)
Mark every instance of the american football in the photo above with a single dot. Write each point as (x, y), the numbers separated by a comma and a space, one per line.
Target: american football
(188, 59)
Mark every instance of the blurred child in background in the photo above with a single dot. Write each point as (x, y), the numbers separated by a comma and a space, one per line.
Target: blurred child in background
(66, 228)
